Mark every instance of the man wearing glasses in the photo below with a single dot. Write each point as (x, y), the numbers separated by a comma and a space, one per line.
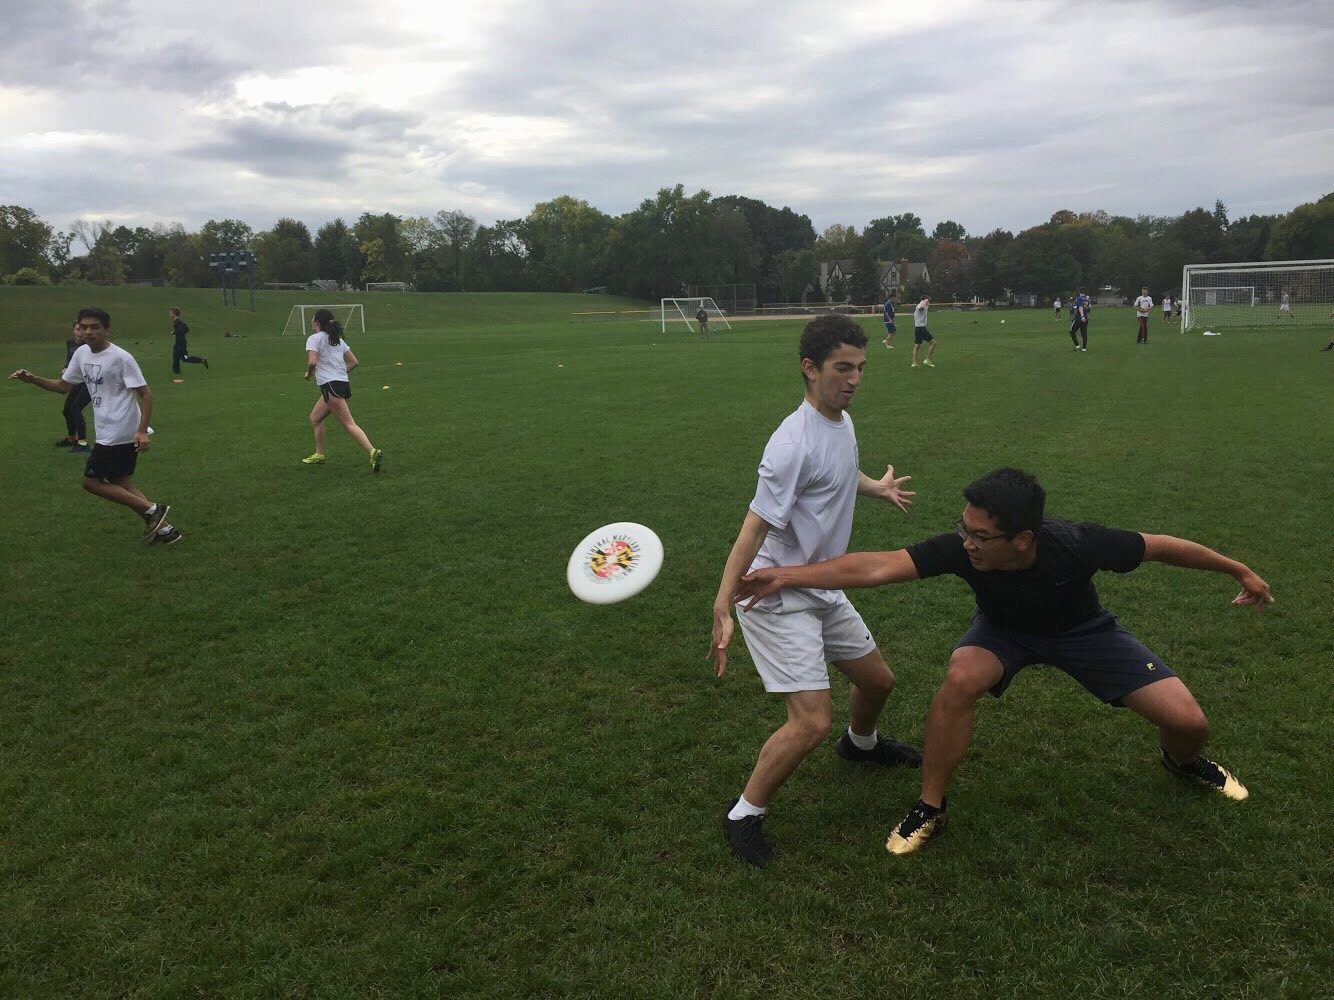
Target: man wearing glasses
(1036, 603)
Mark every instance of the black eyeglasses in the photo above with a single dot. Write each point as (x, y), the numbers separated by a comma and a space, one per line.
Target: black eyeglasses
(975, 537)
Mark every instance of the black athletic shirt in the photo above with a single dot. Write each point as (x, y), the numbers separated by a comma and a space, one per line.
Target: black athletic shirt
(179, 329)
(1054, 594)
(71, 346)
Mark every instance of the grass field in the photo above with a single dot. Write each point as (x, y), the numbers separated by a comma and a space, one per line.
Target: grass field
(353, 737)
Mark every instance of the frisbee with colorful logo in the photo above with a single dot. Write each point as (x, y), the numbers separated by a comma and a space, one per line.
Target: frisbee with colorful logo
(614, 563)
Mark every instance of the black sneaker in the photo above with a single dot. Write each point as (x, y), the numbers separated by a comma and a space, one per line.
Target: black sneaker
(154, 521)
(205, 360)
(920, 825)
(745, 837)
(169, 537)
(79, 449)
(1205, 772)
(65, 443)
(889, 753)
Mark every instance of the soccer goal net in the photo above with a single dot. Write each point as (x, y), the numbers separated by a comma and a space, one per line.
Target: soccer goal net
(687, 311)
(350, 314)
(1257, 294)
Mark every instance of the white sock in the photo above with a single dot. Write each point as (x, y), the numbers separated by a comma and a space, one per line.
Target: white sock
(166, 529)
(864, 742)
(151, 511)
(742, 809)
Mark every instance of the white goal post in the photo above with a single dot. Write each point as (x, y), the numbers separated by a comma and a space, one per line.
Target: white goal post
(684, 310)
(350, 314)
(386, 286)
(1272, 293)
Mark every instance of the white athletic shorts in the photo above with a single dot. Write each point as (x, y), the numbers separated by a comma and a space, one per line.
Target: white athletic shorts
(792, 652)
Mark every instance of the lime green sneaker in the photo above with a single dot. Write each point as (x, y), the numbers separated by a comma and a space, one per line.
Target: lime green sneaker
(377, 457)
(315, 459)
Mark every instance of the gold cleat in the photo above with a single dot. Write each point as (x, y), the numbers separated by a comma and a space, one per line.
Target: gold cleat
(1205, 772)
(915, 830)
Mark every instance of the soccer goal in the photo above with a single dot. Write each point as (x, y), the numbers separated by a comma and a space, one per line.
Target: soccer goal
(683, 311)
(1257, 294)
(386, 286)
(350, 314)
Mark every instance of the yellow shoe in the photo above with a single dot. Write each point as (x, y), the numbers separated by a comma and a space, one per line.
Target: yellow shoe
(315, 459)
(916, 829)
(1205, 772)
(916, 365)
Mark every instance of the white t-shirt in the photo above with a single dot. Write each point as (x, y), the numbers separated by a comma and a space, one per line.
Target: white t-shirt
(1056, 304)
(1167, 303)
(806, 492)
(919, 314)
(1284, 303)
(1144, 303)
(111, 375)
(330, 365)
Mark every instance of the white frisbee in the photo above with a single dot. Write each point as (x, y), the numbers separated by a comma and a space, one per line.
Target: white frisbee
(614, 563)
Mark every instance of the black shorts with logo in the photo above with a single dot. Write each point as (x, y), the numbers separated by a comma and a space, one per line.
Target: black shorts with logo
(109, 462)
(1101, 655)
(921, 335)
(342, 390)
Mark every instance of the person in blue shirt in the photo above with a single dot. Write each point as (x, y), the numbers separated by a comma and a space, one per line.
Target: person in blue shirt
(1079, 322)
(890, 328)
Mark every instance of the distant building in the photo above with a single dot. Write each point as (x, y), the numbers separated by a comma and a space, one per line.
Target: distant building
(888, 280)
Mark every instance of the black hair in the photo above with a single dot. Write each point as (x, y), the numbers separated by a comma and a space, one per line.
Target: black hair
(174, 310)
(824, 334)
(1011, 496)
(92, 312)
(324, 319)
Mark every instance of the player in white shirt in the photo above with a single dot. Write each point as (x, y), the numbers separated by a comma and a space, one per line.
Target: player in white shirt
(1056, 308)
(329, 358)
(920, 334)
(1167, 308)
(122, 405)
(1143, 305)
(809, 480)
(1284, 307)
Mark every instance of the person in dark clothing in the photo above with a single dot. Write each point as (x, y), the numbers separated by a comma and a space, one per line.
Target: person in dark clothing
(179, 352)
(76, 429)
(1032, 577)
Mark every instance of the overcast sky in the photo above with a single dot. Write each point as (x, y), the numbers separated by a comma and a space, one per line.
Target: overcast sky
(991, 113)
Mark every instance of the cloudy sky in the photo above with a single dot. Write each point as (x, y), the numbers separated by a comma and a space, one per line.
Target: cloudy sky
(989, 112)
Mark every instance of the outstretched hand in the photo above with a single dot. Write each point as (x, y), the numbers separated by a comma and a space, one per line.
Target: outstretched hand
(756, 586)
(1254, 592)
(22, 375)
(892, 490)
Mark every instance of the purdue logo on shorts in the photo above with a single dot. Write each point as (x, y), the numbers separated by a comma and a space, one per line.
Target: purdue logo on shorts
(614, 556)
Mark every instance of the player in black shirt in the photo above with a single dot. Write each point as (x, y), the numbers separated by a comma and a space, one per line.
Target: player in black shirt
(179, 352)
(1036, 603)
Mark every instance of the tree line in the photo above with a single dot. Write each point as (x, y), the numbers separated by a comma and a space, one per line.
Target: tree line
(669, 240)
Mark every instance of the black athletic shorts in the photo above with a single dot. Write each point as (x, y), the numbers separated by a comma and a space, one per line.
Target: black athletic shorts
(111, 461)
(1079, 326)
(342, 390)
(920, 335)
(1100, 654)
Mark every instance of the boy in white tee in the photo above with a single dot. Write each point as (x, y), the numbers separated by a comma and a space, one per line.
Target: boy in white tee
(809, 480)
(1142, 306)
(122, 405)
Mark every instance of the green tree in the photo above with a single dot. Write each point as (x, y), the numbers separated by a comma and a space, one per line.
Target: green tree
(792, 272)
(987, 253)
(337, 253)
(393, 259)
(864, 283)
(457, 233)
(285, 252)
(1305, 233)
(25, 240)
(372, 261)
(217, 235)
(662, 245)
(951, 268)
(1250, 236)
(565, 241)
(949, 230)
